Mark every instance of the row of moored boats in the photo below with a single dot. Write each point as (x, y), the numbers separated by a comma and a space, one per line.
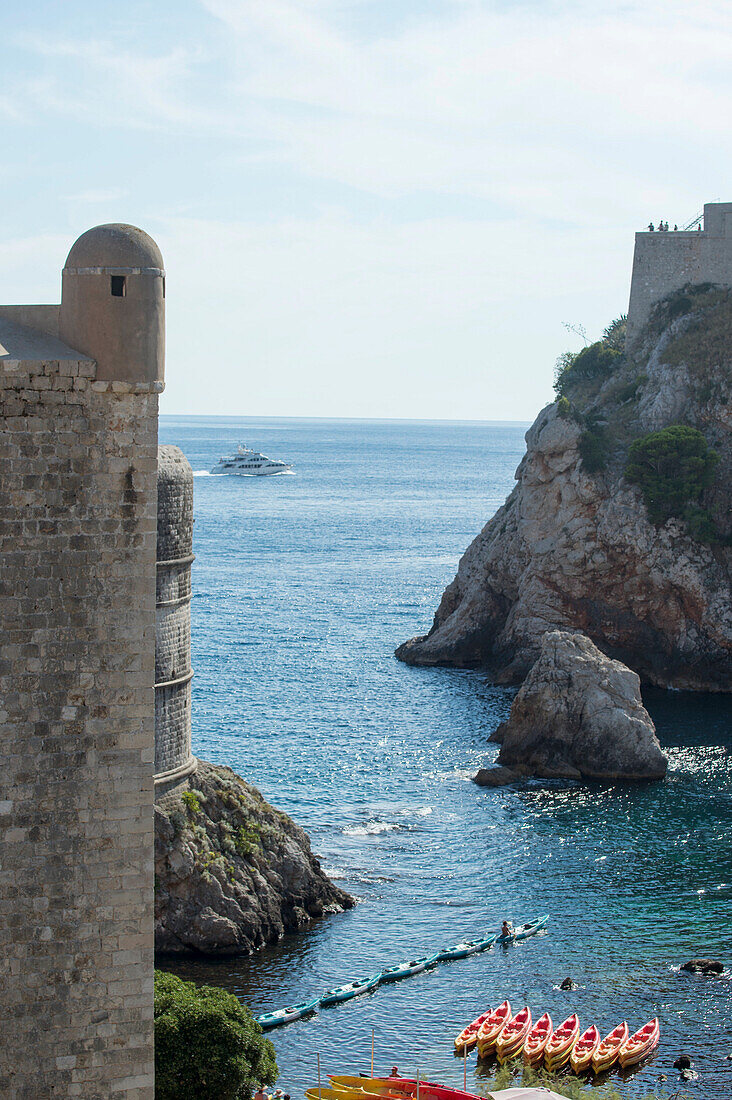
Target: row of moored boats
(501, 1034)
(395, 973)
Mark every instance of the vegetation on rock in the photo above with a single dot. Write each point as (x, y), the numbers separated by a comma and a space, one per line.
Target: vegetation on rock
(596, 361)
(207, 1044)
(232, 872)
(673, 466)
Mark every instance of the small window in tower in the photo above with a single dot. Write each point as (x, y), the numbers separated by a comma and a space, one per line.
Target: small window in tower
(163, 286)
(118, 286)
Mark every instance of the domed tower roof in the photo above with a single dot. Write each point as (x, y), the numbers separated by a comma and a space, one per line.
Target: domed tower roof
(113, 303)
(115, 246)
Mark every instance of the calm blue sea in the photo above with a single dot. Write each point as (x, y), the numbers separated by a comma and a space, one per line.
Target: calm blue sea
(304, 584)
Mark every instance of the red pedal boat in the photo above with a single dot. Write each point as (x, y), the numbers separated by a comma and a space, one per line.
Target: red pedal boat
(492, 1028)
(511, 1040)
(468, 1037)
(640, 1045)
(559, 1047)
(581, 1057)
(607, 1053)
(537, 1040)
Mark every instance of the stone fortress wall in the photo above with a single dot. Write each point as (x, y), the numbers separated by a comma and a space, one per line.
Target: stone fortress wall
(664, 262)
(173, 673)
(78, 526)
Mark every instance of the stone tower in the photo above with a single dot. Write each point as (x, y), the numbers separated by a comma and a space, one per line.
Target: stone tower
(173, 673)
(664, 262)
(79, 389)
(113, 303)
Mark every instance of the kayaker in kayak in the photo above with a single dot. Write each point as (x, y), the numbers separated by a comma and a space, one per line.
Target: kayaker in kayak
(394, 1072)
(260, 1094)
(506, 928)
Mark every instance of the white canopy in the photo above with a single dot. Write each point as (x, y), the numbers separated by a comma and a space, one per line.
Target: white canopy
(526, 1094)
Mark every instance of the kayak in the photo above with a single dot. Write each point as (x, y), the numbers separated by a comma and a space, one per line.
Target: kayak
(492, 1028)
(462, 950)
(639, 1045)
(560, 1046)
(333, 1094)
(607, 1052)
(287, 1015)
(468, 1037)
(523, 931)
(428, 1090)
(513, 1036)
(345, 992)
(537, 1040)
(340, 1082)
(406, 969)
(581, 1057)
(407, 1086)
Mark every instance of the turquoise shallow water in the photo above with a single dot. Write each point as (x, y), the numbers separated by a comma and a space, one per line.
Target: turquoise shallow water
(304, 585)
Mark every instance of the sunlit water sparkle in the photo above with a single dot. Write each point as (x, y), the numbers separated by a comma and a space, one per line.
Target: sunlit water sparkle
(304, 585)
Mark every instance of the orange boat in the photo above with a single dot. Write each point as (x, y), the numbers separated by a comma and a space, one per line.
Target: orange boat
(511, 1040)
(607, 1053)
(559, 1047)
(468, 1037)
(640, 1045)
(492, 1028)
(581, 1057)
(537, 1040)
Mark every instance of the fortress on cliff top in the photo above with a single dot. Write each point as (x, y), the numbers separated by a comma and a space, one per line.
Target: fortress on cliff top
(664, 262)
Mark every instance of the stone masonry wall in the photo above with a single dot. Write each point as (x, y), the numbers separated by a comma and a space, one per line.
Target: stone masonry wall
(78, 462)
(173, 674)
(664, 262)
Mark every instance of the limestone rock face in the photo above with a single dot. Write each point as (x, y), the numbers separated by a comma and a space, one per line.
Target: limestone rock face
(573, 550)
(580, 714)
(231, 872)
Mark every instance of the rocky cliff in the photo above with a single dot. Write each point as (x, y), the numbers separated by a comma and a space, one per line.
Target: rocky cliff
(575, 546)
(231, 872)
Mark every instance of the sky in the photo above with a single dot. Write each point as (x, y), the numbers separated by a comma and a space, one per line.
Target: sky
(367, 208)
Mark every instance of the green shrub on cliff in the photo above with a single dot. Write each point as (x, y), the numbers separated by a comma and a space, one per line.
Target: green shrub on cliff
(207, 1044)
(597, 361)
(673, 467)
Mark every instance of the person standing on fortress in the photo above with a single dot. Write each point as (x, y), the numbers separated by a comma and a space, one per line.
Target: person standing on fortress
(650, 227)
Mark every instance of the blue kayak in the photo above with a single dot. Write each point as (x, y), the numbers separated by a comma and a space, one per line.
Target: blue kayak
(345, 992)
(523, 931)
(462, 950)
(287, 1015)
(406, 969)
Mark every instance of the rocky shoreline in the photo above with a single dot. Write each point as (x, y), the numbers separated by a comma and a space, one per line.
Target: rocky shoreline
(232, 873)
(574, 546)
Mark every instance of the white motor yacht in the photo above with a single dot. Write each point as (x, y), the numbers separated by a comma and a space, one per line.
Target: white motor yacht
(252, 463)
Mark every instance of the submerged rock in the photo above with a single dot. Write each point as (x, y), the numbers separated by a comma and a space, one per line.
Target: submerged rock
(683, 1062)
(580, 715)
(231, 872)
(496, 777)
(568, 984)
(573, 546)
(703, 966)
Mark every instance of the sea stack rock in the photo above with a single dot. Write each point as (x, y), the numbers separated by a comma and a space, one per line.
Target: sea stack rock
(580, 715)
